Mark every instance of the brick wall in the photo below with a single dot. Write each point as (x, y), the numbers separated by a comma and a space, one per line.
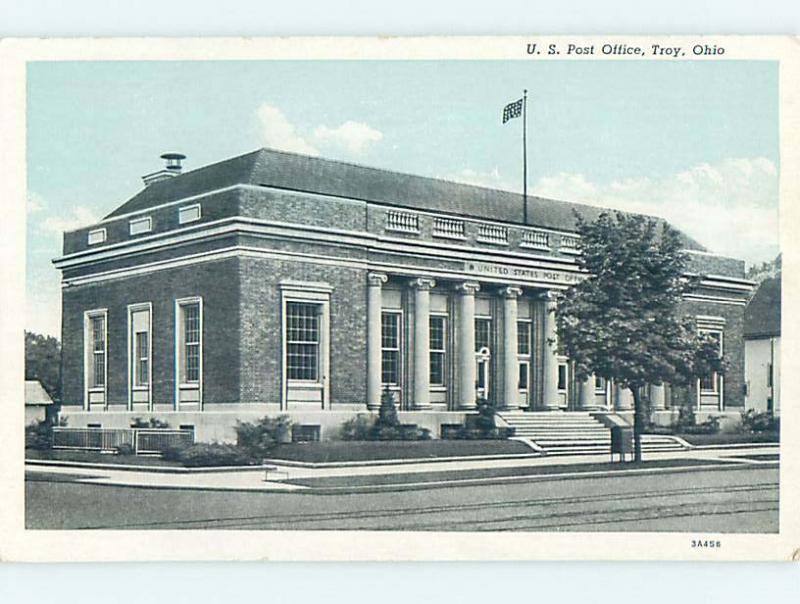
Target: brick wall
(216, 282)
(733, 349)
(260, 350)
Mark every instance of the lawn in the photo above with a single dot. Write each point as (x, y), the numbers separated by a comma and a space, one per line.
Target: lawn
(730, 439)
(95, 457)
(341, 451)
(344, 482)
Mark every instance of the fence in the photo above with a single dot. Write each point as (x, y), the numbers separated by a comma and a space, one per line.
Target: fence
(141, 440)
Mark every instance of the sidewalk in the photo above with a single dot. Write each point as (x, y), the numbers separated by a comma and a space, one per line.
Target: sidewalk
(428, 473)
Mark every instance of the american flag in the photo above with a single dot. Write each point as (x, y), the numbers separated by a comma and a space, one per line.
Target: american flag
(512, 110)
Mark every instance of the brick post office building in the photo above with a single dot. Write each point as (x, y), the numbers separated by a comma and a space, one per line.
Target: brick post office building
(278, 283)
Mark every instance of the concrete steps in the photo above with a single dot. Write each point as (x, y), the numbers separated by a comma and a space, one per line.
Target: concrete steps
(576, 433)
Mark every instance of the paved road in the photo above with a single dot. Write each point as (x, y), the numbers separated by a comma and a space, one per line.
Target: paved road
(742, 500)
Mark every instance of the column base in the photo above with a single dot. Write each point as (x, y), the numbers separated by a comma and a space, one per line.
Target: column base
(552, 407)
(421, 407)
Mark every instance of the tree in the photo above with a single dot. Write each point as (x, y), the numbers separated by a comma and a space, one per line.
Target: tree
(624, 321)
(43, 362)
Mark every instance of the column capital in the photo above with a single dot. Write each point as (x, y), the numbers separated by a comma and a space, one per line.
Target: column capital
(468, 288)
(549, 296)
(423, 283)
(511, 292)
(376, 279)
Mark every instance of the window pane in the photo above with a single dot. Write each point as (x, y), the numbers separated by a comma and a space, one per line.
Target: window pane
(142, 360)
(98, 333)
(482, 333)
(437, 333)
(191, 323)
(562, 377)
(523, 338)
(599, 383)
(523, 376)
(390, 334)
(99, 369)
(390, 345)
(390, 367)
(302, 346)
(437, 369)
(98, 339)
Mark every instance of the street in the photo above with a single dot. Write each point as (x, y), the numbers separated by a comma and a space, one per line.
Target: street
(741, 500)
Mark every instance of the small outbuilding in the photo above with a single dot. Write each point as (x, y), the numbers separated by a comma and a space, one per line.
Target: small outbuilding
(37, 401)
(762, 347)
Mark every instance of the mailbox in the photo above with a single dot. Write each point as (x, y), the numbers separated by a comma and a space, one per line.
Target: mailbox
(621, 441)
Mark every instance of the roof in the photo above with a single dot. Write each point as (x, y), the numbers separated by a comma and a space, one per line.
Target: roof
(35, 394)
(292, 171)
(762, 317)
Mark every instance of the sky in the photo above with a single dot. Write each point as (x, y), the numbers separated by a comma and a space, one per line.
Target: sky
(694, 142)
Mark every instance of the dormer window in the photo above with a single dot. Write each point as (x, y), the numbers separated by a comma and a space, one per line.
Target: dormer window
(189, 213)
(96, 236)
(141, 225)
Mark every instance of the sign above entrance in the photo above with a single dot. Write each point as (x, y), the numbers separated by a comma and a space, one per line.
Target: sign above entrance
(521, 273)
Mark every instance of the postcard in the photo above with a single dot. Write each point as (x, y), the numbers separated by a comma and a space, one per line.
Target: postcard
(456, 298)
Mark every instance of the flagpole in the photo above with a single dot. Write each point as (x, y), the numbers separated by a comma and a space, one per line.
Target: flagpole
(525, 156)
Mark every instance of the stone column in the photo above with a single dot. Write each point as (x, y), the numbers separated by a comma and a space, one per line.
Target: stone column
(658, 401)
(374, 303)
(510, 356)
(466, 355)
(623, 399)
(586, 394)
(550, 399)
(422, 360)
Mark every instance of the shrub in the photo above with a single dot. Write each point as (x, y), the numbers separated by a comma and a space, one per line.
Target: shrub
(39, 435)
(759, 421)
(153, 422)
(481, 426)
(124, 449)
(356, 428)
(710, 426)
(208, 454)
(387, 414)
(259, 438)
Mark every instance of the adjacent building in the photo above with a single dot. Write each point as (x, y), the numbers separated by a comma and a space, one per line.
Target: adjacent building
(762, 344)
(279, 283)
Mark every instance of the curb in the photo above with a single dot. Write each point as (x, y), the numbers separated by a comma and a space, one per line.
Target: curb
(134, 468)
(311, 465)
(445, 484)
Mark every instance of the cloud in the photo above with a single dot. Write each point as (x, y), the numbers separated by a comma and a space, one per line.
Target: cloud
(730, 206)
(278, 132)
(79, 216)
(353, 136)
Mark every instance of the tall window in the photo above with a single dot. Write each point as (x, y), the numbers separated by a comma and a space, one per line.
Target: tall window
(524, 353)
(390, 348)
(190, 342)
(303, 341)
(438, 350)
(139, 335)
(562, 376)
(710, 383)
(483, 334)
(599, 384)
(97, 337)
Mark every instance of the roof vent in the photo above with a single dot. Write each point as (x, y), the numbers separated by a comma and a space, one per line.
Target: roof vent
(172, 168)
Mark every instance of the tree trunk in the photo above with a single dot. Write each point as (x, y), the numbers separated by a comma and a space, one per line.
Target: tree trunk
(638, 424)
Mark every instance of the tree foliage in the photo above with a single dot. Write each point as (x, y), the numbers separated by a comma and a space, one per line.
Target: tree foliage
(43, 362)
(624, 321)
